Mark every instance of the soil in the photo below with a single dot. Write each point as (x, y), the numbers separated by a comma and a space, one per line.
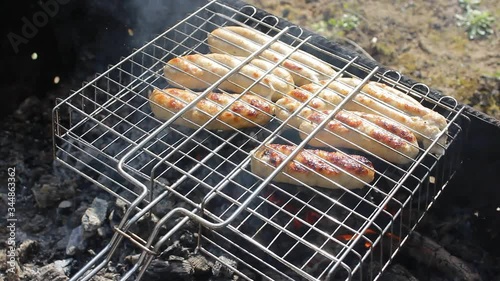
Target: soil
(420, 39)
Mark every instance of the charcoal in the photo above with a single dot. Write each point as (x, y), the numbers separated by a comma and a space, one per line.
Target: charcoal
(76, 241)
(221, 268)
(49, 194)
(75, 218)
(428, 252)
(27, 250)
(163, 206)
(117, 212)
(62, 243)
(176, 249)
(466, 251)
(176, 268)
(144, 225)
(3, 257)
(397, 273)
(37, 224)
(188, 239)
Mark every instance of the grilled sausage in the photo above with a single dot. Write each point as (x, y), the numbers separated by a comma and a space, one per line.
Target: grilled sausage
(313, 167)
(427, 123)
(352, 129)
(399, 100)
(200, 71)
(242, 41)
(375, 134)
(425, 130)
(249, 111)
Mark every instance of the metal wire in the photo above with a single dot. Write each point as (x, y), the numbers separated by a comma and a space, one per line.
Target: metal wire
(106, 132)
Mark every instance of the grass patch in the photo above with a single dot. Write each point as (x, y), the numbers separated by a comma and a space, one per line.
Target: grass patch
(478, 24)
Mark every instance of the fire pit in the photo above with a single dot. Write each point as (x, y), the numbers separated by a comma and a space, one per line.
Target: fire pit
(106, 131)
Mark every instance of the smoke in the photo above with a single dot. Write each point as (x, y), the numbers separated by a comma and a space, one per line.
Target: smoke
(153, 17)
(77, 40)
(130, 24)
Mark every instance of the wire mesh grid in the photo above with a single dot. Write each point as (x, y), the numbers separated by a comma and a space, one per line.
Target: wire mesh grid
(296, 234)
(107, 130)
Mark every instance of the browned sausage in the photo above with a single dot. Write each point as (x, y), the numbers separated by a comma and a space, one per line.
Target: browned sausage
(249, 111)
(313, 167)
(201, 71)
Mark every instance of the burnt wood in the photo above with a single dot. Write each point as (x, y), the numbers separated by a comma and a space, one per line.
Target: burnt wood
(428, 252)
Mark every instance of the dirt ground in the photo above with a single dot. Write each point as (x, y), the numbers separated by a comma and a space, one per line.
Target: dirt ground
(420, 39)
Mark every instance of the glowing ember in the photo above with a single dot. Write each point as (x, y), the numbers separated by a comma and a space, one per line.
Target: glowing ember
(310, 217)
(370, 231)
(345, 237)
(349, 237)
(297, 224)
(393, 236)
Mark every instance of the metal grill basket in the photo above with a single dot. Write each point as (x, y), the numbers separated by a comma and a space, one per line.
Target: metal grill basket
(107, 133)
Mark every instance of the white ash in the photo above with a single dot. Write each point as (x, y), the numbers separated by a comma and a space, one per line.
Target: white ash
(199, 263)
(221, 267)
(64, 265)
(65, 204)
(52, 272)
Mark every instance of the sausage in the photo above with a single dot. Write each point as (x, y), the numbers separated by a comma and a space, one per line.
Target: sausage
(425, 131)
(249, 111)
(200, 71)
(399, 100)
(286, 106)
(375, 134)
(427, 123)
(241, 41)
(313, 167)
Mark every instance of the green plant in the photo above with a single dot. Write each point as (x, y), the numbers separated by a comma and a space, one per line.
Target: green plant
(320, 26)
(347, 22)
(468, 5)
(478, 24)
(336, 27)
